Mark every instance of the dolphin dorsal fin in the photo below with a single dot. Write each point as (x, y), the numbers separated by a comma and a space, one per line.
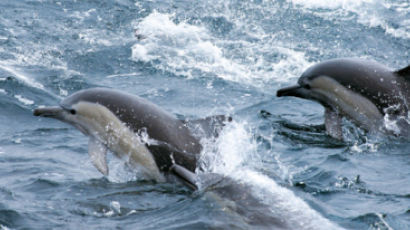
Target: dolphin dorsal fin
(210, 126)
(405, 72)
(98, 153)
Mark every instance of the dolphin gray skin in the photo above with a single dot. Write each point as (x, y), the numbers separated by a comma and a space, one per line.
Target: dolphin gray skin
(365, 92)
(118, 121)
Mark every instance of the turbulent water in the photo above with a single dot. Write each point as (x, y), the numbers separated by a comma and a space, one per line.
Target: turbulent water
(196, 59)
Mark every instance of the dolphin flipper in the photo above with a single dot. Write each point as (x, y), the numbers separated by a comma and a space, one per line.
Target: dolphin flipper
(166, 155)
(98, 155)
(333, 124)
(209, 126)
(179, 163)
(185, 175)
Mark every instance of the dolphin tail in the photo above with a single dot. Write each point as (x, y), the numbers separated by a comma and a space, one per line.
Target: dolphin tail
(210, 126)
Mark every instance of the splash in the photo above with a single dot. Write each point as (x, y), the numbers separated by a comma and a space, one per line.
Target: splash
(234, 155)
(230, 152)
(24, 100)
(284, 203)
(365, 147)
(393, 123)
(120, 172)
(191, 51)
(371, 13)
(22, 77)
(183, 49)
(345, 4)
(4, 227)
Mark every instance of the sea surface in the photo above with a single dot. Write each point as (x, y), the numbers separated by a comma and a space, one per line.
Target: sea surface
(197, 59)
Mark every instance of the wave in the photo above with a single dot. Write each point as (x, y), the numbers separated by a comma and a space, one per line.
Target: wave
(192, 51)
(374, 221)
(20, 91)
(391, 16)
(9, 218)
(22, 77)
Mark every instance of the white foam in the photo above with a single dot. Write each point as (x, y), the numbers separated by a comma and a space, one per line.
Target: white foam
(21, 76)
(82, 15)
(2, 227)
(366, 147)
(325, 4)
(95, 37)
(24, 100)
(123, 75)
(283, 202)
(182, 48)
(37, 54)
(233, 155)
(383, 223)
(63, 92)
(230, 151)
(391, 122)
(370, 13)
(3, 91)
(116, 206)
(120, 172)
(114, 209)
(191, 51)
(131, 212)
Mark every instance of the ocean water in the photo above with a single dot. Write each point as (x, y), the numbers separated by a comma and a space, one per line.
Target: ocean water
(197, 59)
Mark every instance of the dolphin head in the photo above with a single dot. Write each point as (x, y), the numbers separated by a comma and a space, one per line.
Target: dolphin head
(345, 77)
(339, 81)
(68, 115)
(360, 90)
(312, 85)
(82, 109)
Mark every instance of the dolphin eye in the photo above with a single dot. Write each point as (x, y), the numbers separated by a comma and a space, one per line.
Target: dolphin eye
(73, 112)
(306, 86)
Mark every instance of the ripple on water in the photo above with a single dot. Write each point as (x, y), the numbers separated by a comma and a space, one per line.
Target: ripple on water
(10, 218)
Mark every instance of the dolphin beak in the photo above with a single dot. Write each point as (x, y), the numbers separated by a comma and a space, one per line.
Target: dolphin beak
(52, 111)
(296, 91)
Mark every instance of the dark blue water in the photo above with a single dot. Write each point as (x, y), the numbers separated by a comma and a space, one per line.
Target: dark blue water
(195, 59)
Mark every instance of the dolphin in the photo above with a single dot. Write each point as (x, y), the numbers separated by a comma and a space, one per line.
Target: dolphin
(162, 147)
(365, 92)
(149, 138)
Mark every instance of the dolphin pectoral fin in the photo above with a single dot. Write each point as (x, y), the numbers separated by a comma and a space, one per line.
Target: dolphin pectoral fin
(211, 126)
(333, 124)
(98, 153)
(185, 175)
